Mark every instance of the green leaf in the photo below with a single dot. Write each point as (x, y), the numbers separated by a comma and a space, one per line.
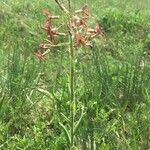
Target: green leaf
(74, 148)
(44, 92)
(65, 117)
(79, 122)
(66, 133)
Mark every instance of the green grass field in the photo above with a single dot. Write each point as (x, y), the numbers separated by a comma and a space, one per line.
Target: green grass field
(112, 79)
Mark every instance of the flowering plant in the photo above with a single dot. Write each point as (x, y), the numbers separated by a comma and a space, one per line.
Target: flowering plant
(79, 35)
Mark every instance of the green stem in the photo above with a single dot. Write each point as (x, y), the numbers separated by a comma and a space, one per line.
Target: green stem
(71, 80)
(69, 3)
(72, 88)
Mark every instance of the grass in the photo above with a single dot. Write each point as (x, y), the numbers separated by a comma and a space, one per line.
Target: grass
(112, 80)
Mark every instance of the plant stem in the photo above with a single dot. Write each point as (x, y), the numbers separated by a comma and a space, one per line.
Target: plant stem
(69, 3)
(71, 87)
(71, 80)
(61, 6)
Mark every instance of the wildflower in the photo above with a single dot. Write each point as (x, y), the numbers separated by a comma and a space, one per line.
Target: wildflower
(95, 32)
(39, 55)
(77, 22)
(49, 16)
(84, 14)
(84, 11)
(51, 32)
(81, 39)
(98, 29)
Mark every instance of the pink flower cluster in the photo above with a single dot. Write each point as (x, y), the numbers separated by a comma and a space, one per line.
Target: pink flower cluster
(78, 23)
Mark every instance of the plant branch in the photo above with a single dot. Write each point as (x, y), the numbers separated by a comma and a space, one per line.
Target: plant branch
(62, 7)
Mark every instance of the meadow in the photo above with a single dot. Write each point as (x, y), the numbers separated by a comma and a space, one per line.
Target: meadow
(112, 80)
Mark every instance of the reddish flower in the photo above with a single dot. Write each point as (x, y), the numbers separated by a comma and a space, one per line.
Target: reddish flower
(85, 11)
(79, 26)
(79, 39)
(77, 22)
(39, 55)
(98, 29)
(48, 15)
(51, 32)
(84, 14)
(94, 32)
